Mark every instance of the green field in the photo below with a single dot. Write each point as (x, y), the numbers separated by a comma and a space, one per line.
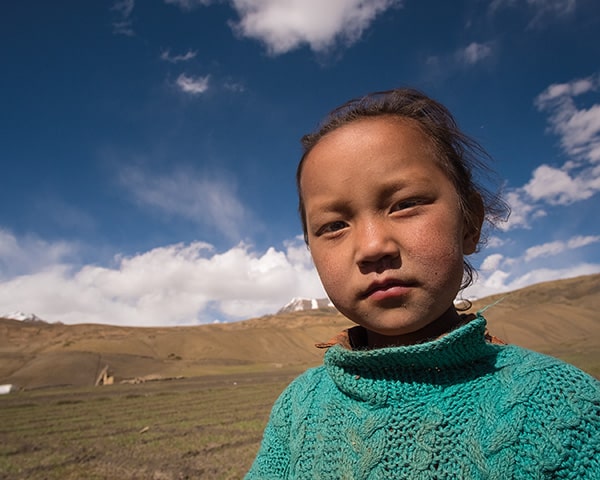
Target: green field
(207, 428)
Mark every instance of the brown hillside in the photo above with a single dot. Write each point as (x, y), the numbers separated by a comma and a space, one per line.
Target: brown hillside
(559, 318)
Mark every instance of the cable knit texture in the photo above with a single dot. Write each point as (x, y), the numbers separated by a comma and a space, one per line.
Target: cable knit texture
(453, 408)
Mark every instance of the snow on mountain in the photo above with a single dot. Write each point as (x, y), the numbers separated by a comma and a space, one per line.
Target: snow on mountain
(23, 317)
(305, 304)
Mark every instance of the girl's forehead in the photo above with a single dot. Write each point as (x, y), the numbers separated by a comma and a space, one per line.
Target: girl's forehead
(372, 143)
(375, 157)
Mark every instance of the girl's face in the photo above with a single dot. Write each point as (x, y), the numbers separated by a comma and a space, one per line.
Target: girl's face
(385, 229)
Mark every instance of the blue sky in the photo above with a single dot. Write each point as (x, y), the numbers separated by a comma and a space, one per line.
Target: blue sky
(148, 148)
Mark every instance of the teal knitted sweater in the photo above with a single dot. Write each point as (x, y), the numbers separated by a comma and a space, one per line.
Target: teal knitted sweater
(457, 407)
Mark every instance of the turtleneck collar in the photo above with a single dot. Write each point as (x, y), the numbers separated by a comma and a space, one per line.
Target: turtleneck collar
(369, 374)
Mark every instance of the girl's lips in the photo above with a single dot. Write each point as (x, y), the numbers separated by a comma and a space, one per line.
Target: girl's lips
(387, 290)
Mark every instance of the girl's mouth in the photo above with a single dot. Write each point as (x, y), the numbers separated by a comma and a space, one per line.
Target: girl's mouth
(387, 289)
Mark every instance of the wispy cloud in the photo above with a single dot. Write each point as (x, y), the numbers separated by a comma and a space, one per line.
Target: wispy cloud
(557, 247)
(284, 25)
(505, 281)
(167, 57)
(26, 254)
(542, 11)
(209, 200)
(172, 285)
(234, 86)
(474, 53)
(440, 66)
(188, 5)
(123, 10)
(192, 85)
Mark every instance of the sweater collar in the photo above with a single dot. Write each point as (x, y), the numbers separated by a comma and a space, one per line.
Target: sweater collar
(365, 373)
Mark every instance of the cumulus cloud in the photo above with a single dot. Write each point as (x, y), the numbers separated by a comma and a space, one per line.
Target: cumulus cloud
(284, 25)
(123, 25)
(167, 57)
(556, 186)
(192, 85)
(206, 199)
(171, 285)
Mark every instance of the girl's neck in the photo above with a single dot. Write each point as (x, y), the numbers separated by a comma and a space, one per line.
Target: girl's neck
(436, 329)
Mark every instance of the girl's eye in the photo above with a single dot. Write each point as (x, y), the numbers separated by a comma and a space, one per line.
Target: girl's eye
(332, 227)
(403, 205)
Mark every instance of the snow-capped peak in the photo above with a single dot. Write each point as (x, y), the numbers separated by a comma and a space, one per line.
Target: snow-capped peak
(23, 317)
(304, 304)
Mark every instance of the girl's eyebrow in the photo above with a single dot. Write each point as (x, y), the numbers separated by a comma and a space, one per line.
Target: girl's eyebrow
(390, 188)
(334, 206)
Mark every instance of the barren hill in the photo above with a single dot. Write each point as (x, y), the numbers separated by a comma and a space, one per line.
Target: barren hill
(560, 318)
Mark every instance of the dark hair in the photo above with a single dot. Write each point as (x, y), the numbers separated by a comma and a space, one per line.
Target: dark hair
(459, 155)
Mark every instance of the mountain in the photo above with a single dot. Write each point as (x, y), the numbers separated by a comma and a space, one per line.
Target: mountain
(23, 317)
(559, 318)
(306, 304)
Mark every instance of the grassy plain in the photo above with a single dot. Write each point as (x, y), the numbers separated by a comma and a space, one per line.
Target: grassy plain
(206, 427)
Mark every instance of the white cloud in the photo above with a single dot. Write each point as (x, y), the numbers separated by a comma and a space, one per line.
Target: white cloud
(556, 247)
(495, 242)
(206, 199)
(521, 210)
(474, 53)
(499, 273)
(578, 129)
(167, 57)
(193, 85)
(491, 262)
(582, 241)
(123, 9)
(579, 133)
(171, 285)
(284, 25)
(502, 281)
(544, 250)
(557, 187)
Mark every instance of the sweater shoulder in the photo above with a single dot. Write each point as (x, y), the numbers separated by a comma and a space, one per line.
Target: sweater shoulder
(307, 381)
(544, 374)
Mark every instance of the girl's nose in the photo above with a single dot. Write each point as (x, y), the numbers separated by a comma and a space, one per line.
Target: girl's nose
(375, 244)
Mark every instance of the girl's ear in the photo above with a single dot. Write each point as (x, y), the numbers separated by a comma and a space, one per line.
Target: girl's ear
(473, 224)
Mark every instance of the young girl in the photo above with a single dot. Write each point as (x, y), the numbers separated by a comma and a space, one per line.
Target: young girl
(390, 210)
